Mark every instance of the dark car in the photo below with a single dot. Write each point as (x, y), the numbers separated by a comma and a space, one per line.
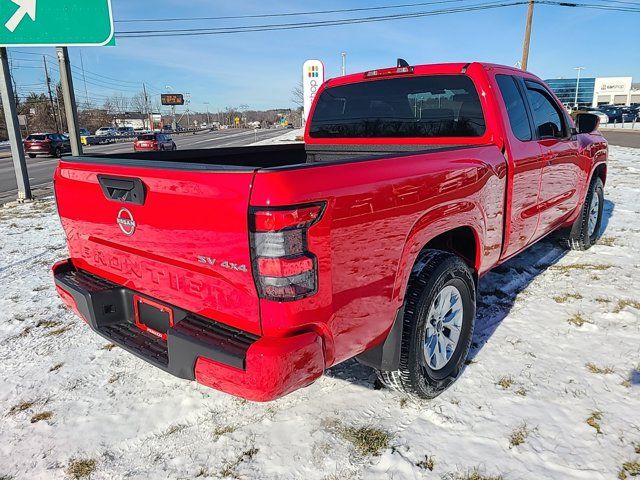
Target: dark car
(54, 144)
(618, 114)
(153, 142)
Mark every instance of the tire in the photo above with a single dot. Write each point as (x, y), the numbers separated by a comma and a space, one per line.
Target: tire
(585, 230)
(57, 152)
(32, 155)
(418, 375)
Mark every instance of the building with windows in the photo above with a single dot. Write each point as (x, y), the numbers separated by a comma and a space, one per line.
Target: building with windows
(595, 91)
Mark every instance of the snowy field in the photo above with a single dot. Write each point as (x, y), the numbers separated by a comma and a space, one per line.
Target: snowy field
(551, 389)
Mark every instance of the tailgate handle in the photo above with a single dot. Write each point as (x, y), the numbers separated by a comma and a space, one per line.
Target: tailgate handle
(126, 190)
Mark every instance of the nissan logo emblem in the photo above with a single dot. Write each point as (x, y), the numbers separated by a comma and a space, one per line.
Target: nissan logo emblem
(126, 222)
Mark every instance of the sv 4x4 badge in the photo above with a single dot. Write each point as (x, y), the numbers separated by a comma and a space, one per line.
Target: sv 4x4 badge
(224, 264)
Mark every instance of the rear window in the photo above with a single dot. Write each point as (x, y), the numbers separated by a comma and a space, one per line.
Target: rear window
(146, 137)
(37, 137)
(424, 106)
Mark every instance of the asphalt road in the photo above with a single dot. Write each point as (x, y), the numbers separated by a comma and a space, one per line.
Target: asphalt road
(41, 168)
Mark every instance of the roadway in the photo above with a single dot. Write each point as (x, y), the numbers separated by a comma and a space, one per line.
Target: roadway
(41, 168)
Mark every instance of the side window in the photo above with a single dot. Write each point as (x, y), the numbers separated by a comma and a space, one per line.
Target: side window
(516, 109)
(546, 115)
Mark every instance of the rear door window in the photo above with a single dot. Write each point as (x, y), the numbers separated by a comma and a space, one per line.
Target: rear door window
(422, 106)
(516, 107)
(547, 116)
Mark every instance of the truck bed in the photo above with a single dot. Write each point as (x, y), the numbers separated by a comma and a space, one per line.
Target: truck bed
(262, 157)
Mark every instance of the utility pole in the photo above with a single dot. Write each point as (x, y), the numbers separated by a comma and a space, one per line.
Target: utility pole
(69, 96)
(575, 102)
(208, 119)
(48, 80)
(146, 106)
(13, 128)
(344, 63)
(84, 79)
(527, 36)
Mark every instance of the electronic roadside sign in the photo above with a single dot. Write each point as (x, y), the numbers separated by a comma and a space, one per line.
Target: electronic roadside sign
(172, 99)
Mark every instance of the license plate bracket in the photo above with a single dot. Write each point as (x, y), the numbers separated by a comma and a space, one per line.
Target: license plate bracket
(152, 317)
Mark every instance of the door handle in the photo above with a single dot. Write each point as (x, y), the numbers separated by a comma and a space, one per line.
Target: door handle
(121, 189)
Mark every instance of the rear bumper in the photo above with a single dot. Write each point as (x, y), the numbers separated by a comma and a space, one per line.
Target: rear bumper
(213, 354)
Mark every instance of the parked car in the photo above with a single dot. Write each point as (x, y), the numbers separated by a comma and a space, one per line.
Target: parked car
(253, 269)
(53, 144)
(84, 132)
(154, 142)
(618, 114)
(106, 131)
(125, 131)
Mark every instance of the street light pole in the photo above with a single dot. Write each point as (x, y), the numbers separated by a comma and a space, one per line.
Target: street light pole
(344, 63)
(527, 36)
(575, 102)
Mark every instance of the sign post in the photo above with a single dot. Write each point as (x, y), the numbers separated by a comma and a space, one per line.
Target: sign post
(312, 78)
(49, 23)
(13, 128)
(69, 97)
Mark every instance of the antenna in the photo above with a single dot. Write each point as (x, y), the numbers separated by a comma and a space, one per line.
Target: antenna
(402, 63)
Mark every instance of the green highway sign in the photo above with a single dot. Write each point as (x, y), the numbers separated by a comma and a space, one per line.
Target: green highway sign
(62, 23)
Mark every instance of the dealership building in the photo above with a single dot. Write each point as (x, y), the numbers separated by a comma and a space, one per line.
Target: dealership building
(596, 91)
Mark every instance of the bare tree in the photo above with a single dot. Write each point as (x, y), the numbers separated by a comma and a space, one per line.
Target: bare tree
(297, 94)
(119, 103)
(140, 103)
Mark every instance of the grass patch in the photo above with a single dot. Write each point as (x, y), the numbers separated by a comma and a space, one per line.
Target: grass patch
(593, 368)
(567, 296)
(518, 435)
(229, 470)
(622, 304)
(636, 448)
(594, 421)
(632, 468)
(427, 464)
(367, 440)
(473, 474)
(521, 391)
(505, 382)
(580, 266)
(58, 331)
(603, 300)
(81, 468)
(20, 407)
(223, 430)
(38, 417)
(607, 241)
(577, 320)
(48, 324)
(109, 346)
(56, 367)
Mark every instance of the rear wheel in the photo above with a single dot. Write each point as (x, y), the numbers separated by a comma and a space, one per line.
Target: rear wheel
(57, 152)
(437, 326)
(585, 230)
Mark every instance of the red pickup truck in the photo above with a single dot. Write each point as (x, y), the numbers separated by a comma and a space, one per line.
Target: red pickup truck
(251, 270)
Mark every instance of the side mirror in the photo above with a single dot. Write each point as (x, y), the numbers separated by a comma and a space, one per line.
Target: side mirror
(587, 122)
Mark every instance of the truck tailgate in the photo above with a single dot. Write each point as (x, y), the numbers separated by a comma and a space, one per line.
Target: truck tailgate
(185, 243)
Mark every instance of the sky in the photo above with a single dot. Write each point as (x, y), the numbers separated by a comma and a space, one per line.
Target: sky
(260, 69)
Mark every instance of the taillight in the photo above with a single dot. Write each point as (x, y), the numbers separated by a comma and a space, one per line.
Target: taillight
(283, 267)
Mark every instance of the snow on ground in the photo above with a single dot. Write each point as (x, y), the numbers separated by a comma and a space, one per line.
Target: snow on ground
(551, 390)
(289, 137)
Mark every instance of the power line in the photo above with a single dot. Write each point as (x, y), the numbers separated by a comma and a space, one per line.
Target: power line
(285, 14)
(299, 25)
